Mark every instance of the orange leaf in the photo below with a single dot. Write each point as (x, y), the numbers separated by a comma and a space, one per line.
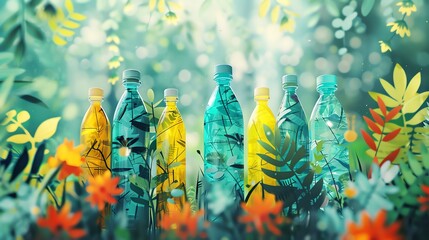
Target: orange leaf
(393, 113)
(382, 106)
(391, 157)
(391, 135)
(368, 139)
(376, 117)
(372, 125)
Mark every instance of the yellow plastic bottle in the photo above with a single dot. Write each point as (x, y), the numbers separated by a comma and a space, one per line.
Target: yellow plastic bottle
(262, 115)
(95, 136)
(171, 163)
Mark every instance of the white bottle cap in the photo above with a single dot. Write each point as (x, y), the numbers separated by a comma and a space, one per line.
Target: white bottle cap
(223, 68)
(95, 92)
(290, 80)
(171, 92)
(131, 75)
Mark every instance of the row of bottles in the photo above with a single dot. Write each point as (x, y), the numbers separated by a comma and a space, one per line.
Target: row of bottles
(228, 178)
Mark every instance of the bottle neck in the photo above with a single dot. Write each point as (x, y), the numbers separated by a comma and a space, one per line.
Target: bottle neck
(223, 81)
(131, 86)
(290, 89)
(261, 100)
(327, 90)
(95, 100)
(171, 102)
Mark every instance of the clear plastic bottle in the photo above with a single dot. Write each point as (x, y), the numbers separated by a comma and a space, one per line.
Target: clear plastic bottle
(329, 153)
(292, 124)
(95, 136)
(130, 141)
(171, 142)
(223, 148)
(261, 115)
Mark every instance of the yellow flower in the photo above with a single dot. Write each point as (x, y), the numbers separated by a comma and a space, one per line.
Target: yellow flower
(69, 157)
(401, 28)
(385, 47)
(115, 62)
(171, 18)
(287, 24)
(407, 7)
(113, 79)
(113, 38)
(350, 192)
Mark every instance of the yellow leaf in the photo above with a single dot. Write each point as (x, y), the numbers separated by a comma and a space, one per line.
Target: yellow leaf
(175, 6)
(70, 24)
(390, 90)
(152, 4)
(58, 40)
(412, 88)
(19, 138)
(46, 129)
(390, 102)
(415, 103)
(161, 6)
(23, 116)
(65, 32)
(69, 6)
(275, 13)
(263, 8)
(150, 95)
(77, 16)
(399, 80)
(417, 118)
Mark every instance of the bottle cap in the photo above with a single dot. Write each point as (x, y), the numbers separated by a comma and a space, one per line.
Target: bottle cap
(327, 79)
(290, 80)
(131, 75)
(95, 92)
(171, 92)
(262, 92)
(223, 70)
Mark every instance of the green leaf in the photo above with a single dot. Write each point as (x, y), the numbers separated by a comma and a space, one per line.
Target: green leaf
(316, 189)
(137, 189)
(33, 100)
(140, 201)
(277, 175)
(303, 168)
(301, 153)
(5, 58)
(158, 179)
(35, 31)
(46, 129)
(269, 134)
(10, 38)
(20, 50)
(332, 7)
(150, 95)
(37, 161)
(267, 147)
(271, 160)
(415, 166)
(20, 165)
(5, 89)
(10, 72)
(367, 6)
(308, 179)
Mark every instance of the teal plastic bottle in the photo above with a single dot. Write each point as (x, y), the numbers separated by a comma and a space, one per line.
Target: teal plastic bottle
(223, 148)
(329, 153)
(130, 140)
(292, 124)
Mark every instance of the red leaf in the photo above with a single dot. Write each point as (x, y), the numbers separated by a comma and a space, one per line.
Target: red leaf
(382, 106)
(372, 125)
(391, 157)
(368, 139)
(376, 117)
(393, 113)
(391, 135)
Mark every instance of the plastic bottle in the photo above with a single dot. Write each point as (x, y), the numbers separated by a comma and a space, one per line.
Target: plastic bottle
(130, 141)
(329, 153)
(223, 148)
(171, 143)
(292, 124)
(261, 115)
(95, 136)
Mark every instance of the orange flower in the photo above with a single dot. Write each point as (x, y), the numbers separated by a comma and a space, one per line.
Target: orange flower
(60, 221)
(69, 158)
(424, 201)
(185, 224)
(101, 189)
(263, 211)
(374, 230)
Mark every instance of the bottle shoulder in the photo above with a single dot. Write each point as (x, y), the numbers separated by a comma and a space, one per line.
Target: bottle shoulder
(95, 115)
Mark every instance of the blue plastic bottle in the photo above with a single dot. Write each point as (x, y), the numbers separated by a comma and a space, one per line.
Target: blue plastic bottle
(130, 140)
(329, 154)
(223, 148)
(292, 124)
